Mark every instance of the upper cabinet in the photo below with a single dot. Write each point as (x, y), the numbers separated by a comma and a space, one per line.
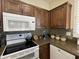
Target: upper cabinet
(0, 15)
(27, 10)
(61, 16)
(17, 7)
(46, 19)
(12, 6)
(42, 18)
(0, 5)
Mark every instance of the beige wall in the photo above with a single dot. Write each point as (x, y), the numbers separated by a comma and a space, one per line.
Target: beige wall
(55, 3)
(50, 4)
(40, 3)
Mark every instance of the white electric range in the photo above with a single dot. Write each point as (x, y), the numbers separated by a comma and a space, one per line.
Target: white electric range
(20, 46)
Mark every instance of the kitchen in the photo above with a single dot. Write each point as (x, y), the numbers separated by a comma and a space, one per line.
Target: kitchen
(31, 29)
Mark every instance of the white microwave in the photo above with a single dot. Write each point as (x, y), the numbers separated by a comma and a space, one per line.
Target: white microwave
(14, 22)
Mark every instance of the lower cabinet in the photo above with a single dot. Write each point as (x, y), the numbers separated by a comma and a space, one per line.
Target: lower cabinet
(57, 53)
(44, 51)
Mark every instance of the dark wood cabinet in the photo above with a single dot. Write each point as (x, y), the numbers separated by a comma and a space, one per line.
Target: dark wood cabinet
(42, 18)
(0, 4)
(12, 6)
(1, 23)
(17, 7)
(77, 57)
(60, 16)
(45, 20)
(44, 51)
(27, 10)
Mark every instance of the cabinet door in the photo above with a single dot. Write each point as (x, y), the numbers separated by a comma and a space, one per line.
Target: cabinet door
(27, 10)
(12, 6)
(60, 17)
(39, 18)
(0, 8)
(44, 51)
(57, 53)
(53, 53)
(45, 19)
(0, 5)
(42, 18)
(1, 15)
(1, 22)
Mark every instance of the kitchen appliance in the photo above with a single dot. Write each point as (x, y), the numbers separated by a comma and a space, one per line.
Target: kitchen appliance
(20, 46)
(14, 22)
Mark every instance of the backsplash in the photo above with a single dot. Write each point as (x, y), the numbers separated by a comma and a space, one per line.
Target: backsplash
(40, 31)
(58, 31)
(61, 32)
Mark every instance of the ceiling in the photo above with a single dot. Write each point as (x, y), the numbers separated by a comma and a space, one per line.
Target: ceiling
(46, 4)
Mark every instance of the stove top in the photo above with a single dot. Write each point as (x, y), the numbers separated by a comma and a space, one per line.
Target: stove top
(18, 47)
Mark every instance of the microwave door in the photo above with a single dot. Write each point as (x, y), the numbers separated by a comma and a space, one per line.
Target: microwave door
(32, 25)
(5, 24)
(19, 25)
(11, 24)
(27, 25)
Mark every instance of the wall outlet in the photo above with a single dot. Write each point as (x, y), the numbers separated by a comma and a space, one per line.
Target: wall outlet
(68, 33)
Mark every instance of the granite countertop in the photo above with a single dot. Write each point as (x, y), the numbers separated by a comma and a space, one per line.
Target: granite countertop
(2, 50)
(41, 42)
(69, 46)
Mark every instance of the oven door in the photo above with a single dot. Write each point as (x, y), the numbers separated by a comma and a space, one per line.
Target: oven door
(30, 53)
